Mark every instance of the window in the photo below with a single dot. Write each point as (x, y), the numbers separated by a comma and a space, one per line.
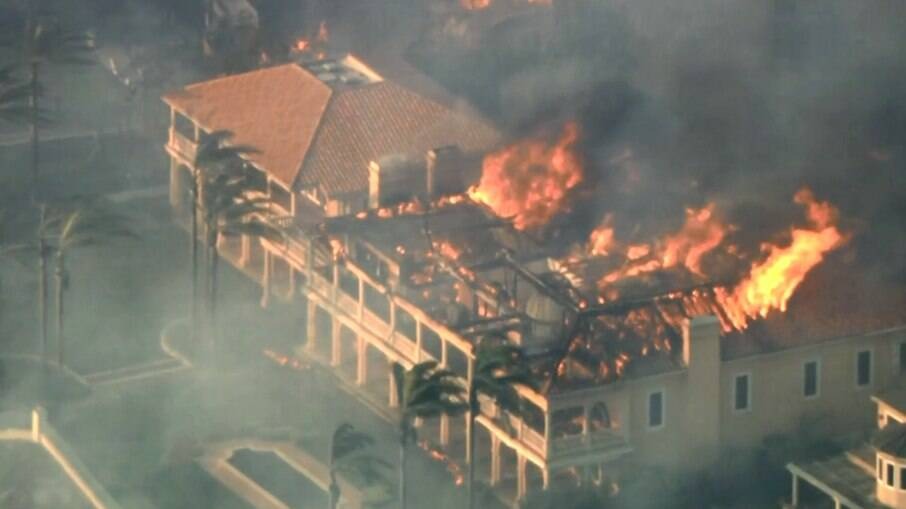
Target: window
(903, 478)
(742, 393)
(656, 410)
(901, 356)
(810, 384)
(880, 469)
(890, 474)
(863, 368)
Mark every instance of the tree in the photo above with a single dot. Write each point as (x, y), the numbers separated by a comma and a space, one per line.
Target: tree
(345, 454)
(424, 391)
(87, 224)
(45, 42)
(214, 156)
(499, 368)
(229, 211)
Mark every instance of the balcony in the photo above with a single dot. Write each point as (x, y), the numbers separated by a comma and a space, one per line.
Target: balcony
(181, 146)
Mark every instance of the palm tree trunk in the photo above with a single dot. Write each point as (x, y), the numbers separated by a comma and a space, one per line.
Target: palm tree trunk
(470, 434)
(212, 297)
(42, 292)
(42, 282)
(35, 195)
(402, 472)
(333, 491)
(193, 243)
(61, 284)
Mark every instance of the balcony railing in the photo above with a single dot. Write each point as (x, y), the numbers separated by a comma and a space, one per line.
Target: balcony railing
(182, 145)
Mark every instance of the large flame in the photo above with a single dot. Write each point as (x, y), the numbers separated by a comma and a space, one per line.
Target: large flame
(701, 233)
(530, 181)
(771, 282)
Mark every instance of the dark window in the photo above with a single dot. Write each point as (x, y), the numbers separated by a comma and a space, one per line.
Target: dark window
(901, 354)
(903, 478)
(741, 393)
(890, 474)
(457, 361)
(349, 283)
(281, 196)
(810, 387)
(431, 343)
(655, 409)
(880, 469)
(184, 126)
(863, 368)
(377, 303)
(405, 324)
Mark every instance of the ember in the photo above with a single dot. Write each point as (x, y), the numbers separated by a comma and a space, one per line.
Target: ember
(440, 456)
(530, 181)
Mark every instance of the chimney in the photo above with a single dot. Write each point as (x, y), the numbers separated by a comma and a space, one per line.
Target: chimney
(444, 175)
(701, 356)
(394, 179)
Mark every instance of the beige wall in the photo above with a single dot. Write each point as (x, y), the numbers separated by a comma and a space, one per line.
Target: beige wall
(777, 401)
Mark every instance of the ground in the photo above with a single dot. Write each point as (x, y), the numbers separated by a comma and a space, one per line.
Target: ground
(30, 479)
(141, 437)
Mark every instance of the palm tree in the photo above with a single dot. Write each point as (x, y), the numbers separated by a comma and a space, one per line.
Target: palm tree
(424, 391)
(228, 211)
(88, 224)
(499, 368)
(214, 156)
(345, 454)
(44, 42)
(40, 246)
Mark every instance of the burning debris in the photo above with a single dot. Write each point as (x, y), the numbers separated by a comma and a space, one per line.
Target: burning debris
(315, 45)
(530, 181)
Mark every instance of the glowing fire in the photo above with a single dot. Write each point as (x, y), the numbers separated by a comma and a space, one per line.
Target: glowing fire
(304, 44)
(478, 5)
(771, 282)
(530, 181)
(701, 233)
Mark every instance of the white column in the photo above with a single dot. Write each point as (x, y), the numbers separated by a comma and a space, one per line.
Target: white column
(245, 250)
(444, 430)
(361, 308)
(393, 401)
(361, 361)
(266, 279)
(311, 325)
(795, 498)
(521, 487)
(336, 343)
(495, 460)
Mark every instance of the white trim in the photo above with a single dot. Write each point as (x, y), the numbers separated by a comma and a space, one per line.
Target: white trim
(817, 394)
(871, 367)
(663, 423)
(748, 408)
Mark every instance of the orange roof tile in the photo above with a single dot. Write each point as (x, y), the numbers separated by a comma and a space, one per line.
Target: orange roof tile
(310, 135)
(276, 110)
(364, 123)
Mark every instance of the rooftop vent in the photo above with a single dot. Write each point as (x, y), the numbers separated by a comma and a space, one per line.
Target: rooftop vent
(339, 70)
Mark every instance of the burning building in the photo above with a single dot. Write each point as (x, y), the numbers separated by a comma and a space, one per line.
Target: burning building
(407, 245)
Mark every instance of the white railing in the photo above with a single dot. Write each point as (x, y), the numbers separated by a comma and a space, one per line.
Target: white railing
(182, 145)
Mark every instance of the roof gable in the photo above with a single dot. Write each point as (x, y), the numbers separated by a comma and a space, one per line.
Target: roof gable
(276, 110)
(364, 123)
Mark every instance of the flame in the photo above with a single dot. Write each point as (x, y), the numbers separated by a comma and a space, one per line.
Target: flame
(304, 44)
(530, 181)
(771, 282)
(437, 455)
(475, 5)
(701, 233)
(602, 240)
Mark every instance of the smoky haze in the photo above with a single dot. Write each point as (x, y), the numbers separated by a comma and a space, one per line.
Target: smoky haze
(680, 103)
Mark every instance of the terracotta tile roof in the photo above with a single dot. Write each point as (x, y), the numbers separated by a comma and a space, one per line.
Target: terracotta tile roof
(276, 110)
(364, 123)
(310, 135)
